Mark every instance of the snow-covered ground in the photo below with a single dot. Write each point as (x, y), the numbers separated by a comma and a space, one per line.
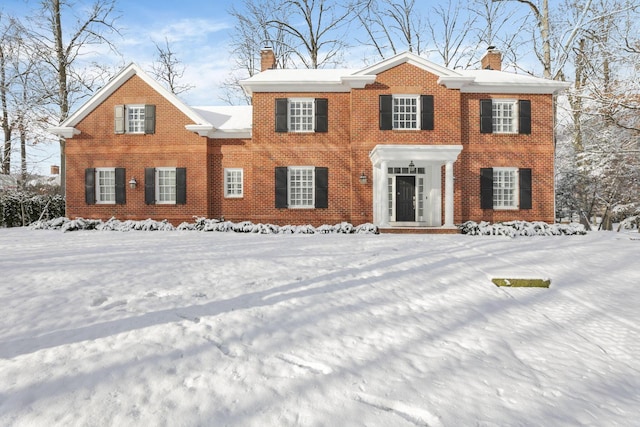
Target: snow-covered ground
(186, 328)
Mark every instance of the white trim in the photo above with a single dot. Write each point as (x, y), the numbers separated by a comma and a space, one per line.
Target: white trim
(516, 189)
(312, 116)
(312, 169)
(157, 189)
(431, 157)
(64, 131)
(226, 183)
(118, 80)
(99, 200)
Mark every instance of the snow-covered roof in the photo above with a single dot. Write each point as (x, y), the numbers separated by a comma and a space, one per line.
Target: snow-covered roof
(228, 120)
(343, 80)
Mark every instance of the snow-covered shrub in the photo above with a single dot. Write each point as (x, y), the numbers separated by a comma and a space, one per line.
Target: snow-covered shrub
(520, 228)
(18, 208)
(199, 224)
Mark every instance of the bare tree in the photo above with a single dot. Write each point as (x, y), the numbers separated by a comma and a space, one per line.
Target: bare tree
(61, 50)
(169, 69)
(317, 29)
(392, 26)
(451, 34)
(7, 76)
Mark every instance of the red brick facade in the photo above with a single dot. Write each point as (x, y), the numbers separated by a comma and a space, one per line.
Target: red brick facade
(353, 133)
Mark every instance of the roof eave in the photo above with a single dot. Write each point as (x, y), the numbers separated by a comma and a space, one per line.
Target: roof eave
(64, 131)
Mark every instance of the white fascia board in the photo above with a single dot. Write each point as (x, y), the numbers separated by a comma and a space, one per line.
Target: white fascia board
(118, 80)
(358, 82)
(468, 84)
(64, 131)
(549, 89)
(426, 153)
(202, 130)
(410, 58)
(294, 86)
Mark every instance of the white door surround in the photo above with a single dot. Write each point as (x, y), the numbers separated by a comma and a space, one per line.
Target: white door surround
(391, 161)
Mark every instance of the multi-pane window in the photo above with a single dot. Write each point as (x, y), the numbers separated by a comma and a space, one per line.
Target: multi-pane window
(301, 187)
(165, 185)
(301, 115)
(505, 188)
(405, 112)
(135, 118)
(105, 185)
(504, 116)
(233, 183)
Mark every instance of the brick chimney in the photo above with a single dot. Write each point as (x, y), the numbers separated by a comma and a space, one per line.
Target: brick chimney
(267, 59)
(492, 59)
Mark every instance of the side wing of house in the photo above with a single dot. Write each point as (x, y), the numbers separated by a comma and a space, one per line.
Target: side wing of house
(130, 155)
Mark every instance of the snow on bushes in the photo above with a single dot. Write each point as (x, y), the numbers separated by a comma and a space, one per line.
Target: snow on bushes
(199, 224)
(19, 208)
(521, 228)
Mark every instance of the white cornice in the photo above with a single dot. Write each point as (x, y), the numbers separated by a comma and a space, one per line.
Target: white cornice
(64, 131)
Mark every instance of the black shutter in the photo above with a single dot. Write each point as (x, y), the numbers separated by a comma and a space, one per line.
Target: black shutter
(386, 112)
(149, 119)
(181, 186)
(281, 114)
(486, 188)
(426, 112)
(525, 188)
(486, 116)
(524, 116)
(322, 188)
(281, 187)
(149, 186)
(322, 113)
(118, 113)
(121, 186)
(90, 186)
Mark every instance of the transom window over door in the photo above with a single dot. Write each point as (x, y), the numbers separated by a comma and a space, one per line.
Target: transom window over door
(301, 114)
(405, 112)
(135, 118)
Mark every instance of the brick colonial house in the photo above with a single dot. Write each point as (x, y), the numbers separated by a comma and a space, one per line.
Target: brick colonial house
(402, 143)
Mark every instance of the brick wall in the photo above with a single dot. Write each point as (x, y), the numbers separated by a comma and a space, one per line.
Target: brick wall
(353, 132)
(98, 146)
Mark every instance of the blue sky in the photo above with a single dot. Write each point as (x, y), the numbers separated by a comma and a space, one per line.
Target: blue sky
(198, 32)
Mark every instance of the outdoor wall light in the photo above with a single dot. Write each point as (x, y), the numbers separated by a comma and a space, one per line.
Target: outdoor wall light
(363, 178)
(133, 183)
(412, 167)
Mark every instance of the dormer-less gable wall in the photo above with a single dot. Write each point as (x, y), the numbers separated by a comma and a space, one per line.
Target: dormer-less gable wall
(162, 142)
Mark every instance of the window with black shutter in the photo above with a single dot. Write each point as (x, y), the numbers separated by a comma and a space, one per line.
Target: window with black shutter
(295, 185)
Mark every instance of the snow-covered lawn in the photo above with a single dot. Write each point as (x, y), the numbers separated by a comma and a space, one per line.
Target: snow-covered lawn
(185, 328)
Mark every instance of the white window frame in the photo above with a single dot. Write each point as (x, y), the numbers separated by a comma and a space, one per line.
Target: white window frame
(504, 115)
(301, 113)
(135, 115)
(505, 192)
(403, 119)
(162, 196)
(301, 185)
(105, 186)
(233, 183)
